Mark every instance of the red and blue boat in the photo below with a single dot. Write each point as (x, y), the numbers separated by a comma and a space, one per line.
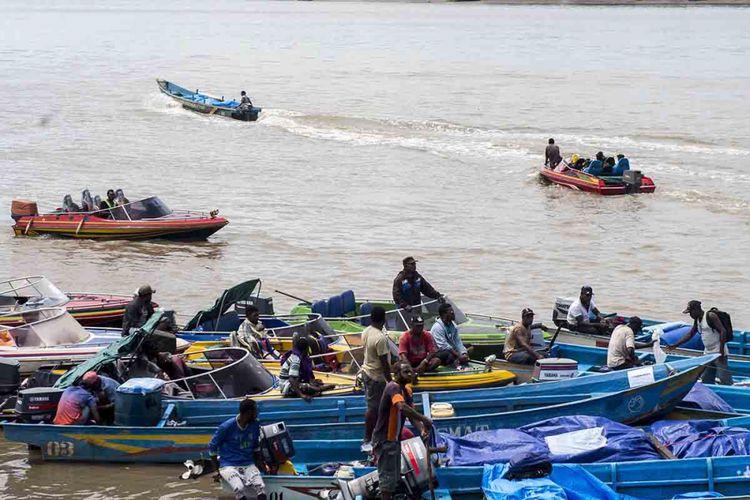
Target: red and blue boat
(149, 218)
(632, 182)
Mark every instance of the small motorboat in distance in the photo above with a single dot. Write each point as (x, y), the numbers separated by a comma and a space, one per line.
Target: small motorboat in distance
(206, 104)
(632, 181)
(148, 218)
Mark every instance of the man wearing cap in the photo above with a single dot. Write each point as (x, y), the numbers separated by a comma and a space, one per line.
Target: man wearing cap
(583, 316)
(105, 389)
(621, 348)
(714, 337)
(138, 310)
(518, 348)
(409, 286)
(417, 347)
(77, 404)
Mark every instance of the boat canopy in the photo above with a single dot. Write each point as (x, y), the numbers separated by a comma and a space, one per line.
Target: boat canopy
(147, 208)
(207, 318)
(42, 328)
(31, 292)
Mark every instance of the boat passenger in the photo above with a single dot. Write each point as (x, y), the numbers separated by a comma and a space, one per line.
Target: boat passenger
(609, 165)
(77, 404)
(296, 375)
(518, 348)
(450, 349)
(409, 286)
(235, 453)
(252, 334)
(69, 205)
(138, 310)
(395, 407)
(715, 337)
(87, 203)
(120, 198)
(621, 348)
(596, 166)
(109, 201)
(622, 165)
(417, 347)
(583, 316)
(552, 156)
(245, 102)
(376, 370)
(580, 164)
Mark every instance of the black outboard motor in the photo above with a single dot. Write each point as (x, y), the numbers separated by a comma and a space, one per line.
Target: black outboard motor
(38, 404)
(10, 376)
(276, 445)
(632, 180)
(264, 305)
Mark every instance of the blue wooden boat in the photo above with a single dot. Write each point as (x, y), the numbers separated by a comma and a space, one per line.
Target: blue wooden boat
(206, 104)
(182, 432)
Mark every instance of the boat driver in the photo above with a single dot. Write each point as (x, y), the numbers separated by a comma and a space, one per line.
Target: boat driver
(138, 310)
(409, 286)
(583, 316)
(552, 156)
(245, 102)
(518, 348)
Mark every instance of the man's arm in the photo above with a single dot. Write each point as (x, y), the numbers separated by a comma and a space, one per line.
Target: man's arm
(398, 298)
(527, 347)
(294, 382)
(428, 290)
(94, 412)
(687, 336)
(215, 444)
(386, 366)
(419, 421)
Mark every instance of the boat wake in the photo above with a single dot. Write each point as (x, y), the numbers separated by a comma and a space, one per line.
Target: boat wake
(719, 203)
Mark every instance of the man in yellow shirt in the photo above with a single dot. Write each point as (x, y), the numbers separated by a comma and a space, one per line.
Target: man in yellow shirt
(376, 369)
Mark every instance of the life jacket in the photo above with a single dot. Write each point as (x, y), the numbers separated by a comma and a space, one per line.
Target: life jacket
(407, 287)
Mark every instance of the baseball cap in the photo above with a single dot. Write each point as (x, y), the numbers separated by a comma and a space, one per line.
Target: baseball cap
(90, 378)
(145, 290)
(417, 320)
(526, 312)
(409, 259)
(691, 305)
(587, 290)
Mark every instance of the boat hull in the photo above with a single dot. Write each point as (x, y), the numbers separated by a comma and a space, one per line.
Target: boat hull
(179, 94)
(582, 181)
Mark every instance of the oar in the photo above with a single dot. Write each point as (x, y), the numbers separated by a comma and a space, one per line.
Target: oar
(294, 297)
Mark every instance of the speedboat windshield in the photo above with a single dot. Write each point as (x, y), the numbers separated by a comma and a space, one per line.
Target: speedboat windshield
(32, 292)
(148, 208)
(400, 319)
(44, 328)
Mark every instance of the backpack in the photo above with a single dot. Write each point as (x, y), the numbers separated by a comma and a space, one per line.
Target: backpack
(726, 322)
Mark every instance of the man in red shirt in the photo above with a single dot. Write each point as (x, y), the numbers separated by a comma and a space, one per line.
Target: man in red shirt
(417, 347)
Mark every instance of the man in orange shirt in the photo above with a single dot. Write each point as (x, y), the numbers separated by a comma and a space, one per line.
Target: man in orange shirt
(395, 407)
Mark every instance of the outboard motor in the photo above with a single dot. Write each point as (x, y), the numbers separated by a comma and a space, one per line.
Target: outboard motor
(264, 305)
(414, 474)
(10, 376)
(38, 404)
(276, 444)
(632, 180)
(23, 208)
(560, 312)
(552, 369)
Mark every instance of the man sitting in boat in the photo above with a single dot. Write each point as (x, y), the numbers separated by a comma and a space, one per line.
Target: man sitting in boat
(583, 316)
(552, 157)
(409, 286)
(450, 349)
(621, 166)
(296, 375)
(417, 347)
(69, 205)
(252, 335)
(120, 198)
(518, 348)
(138, 310)
(235, 453)
(596, 166)
(77, 404)
(245, 102)
(621, 348)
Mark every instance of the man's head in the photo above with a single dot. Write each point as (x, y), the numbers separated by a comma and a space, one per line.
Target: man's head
(620, 156)
(145, 292)
(404, 373)
(551, 140)
(610, 161)
(301, 344)
(248, 410)
(527, 317)
(417, 325)
(446, 313)
(635, 324)
(410, 264)
(252, 313)
(377, 316)
(586, 294)
(600, 156)
(91, 381)
(111, 194)
(694, 309)
(243, 93)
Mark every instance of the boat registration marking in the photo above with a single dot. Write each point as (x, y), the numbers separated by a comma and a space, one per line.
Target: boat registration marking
(641, 376)
(60, 448)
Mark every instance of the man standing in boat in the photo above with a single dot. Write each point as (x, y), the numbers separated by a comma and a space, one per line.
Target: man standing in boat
(583, 316)
(376, 370)
(409, 286)
(552, 157)
(138, 310)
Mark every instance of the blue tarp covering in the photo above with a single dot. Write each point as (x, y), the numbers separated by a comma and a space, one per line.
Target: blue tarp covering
(704, 398)
(702, 438)
(567, 482)
(576, 439)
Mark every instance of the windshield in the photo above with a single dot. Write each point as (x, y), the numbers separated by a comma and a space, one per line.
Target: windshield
(293, 324)
(45, 328)
(400, 320)
(32, 292)
(223, 373)
(149, 208)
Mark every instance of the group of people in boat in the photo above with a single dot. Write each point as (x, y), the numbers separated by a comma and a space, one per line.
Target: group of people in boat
(114, 198)
(598, 166)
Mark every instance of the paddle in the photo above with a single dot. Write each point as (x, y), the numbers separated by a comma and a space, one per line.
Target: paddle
(294, 297)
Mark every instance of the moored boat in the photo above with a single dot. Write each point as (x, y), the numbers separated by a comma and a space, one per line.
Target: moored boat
(148, 218)
(631, 182)
(206, 104)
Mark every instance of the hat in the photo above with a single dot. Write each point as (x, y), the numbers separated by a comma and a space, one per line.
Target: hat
(408, 260)
(417, 320)
(635, 320)
(692, 305)
(90, 378)
(526, 312)
(145, 290)
(587, 290)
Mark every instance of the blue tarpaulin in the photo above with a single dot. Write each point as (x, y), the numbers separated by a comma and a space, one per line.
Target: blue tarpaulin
(701, 396)
(701, 438)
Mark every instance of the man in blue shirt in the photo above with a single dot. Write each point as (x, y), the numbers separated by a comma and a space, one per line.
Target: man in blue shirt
(596, 166)
(622, 165)
(235, 452)
(450, 349)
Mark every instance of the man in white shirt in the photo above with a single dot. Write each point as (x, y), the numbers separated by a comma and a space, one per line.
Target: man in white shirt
(583, 316)
(621, 349)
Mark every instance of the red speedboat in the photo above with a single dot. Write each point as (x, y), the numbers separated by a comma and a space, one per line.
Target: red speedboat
(631, 182)
(21, 295)
(144, 219)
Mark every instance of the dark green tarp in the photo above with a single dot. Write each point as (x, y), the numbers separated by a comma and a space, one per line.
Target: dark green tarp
(112, 352)
(243, 291)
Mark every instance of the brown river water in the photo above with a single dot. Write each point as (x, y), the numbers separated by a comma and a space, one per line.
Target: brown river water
(388, 129)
